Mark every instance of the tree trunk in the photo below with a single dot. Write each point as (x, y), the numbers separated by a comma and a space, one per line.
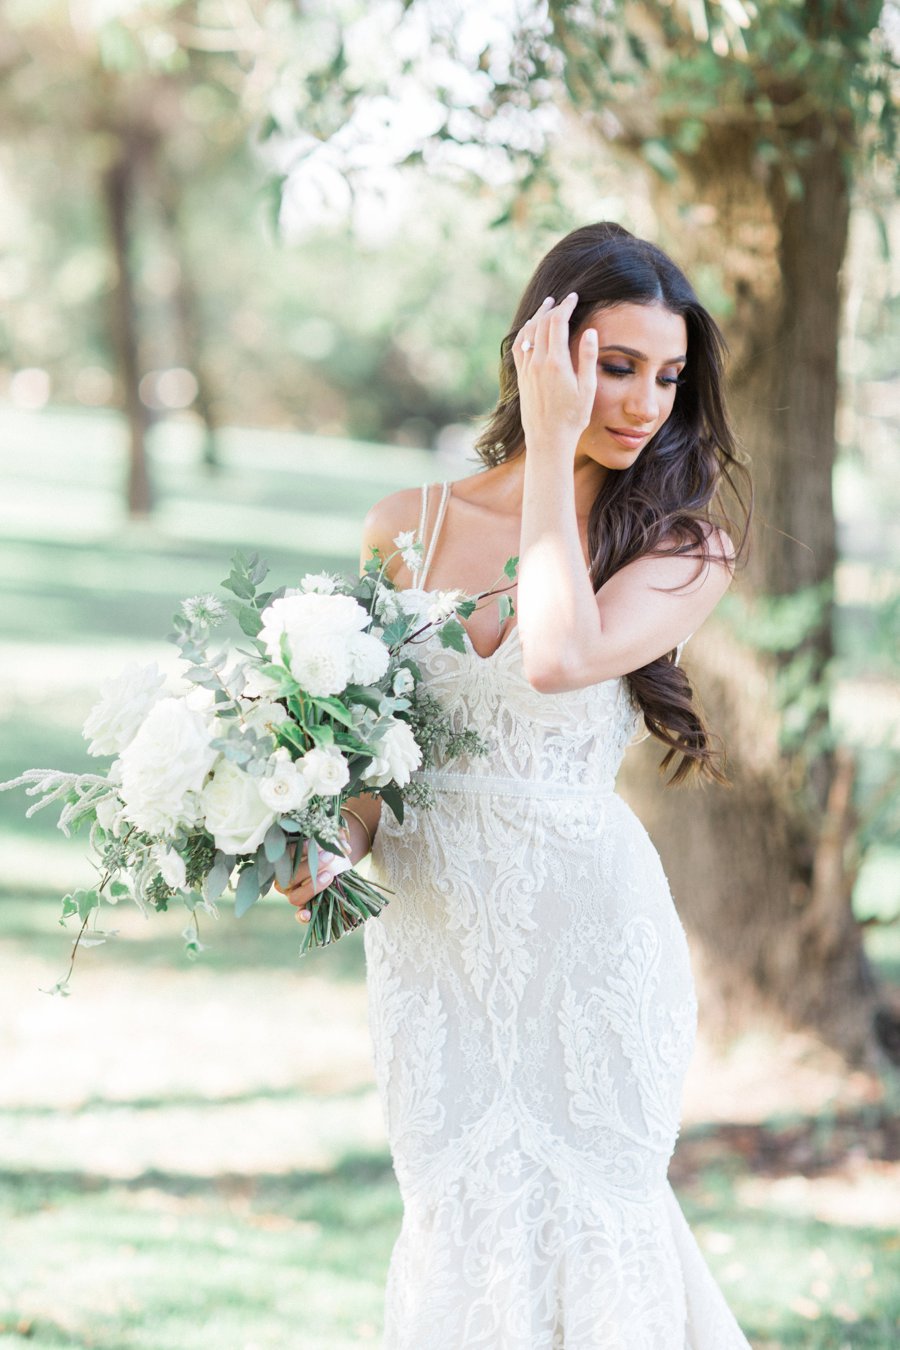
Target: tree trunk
(761, 873)
(188, 312)
(119, 187)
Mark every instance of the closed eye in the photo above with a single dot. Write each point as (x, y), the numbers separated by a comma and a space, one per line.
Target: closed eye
(626, 370)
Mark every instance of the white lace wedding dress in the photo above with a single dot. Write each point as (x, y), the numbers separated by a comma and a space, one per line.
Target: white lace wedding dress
(532, 1014)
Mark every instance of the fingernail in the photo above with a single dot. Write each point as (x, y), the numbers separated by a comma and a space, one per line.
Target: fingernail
(303, 916)
(326, 857)
(573, 295)
(548, 301)
(326, 878)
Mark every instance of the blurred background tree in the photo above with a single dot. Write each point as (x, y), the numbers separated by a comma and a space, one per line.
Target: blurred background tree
(142, 269)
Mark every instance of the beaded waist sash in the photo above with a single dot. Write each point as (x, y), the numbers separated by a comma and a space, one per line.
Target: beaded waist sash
(475, 784)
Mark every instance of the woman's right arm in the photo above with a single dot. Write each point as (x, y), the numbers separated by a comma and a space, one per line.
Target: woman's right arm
(381, 526)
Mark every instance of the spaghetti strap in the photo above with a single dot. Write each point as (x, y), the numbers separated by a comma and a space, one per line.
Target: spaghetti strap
(421, 572)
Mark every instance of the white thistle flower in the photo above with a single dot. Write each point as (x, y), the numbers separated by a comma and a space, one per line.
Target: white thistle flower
(205, 609)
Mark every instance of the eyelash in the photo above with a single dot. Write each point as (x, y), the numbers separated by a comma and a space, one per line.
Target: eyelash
(619, 370)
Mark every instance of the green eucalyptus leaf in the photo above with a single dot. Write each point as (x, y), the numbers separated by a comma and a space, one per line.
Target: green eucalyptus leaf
(394, 799)
(249, 620)
(284, 868)
(335, 708)
(247, 892)
(217, 879)
(275, 842)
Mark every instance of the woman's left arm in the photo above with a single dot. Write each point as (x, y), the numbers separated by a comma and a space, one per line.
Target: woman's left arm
(570, 635)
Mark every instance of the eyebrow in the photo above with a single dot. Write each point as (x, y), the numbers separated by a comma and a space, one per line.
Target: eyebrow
(639, 356)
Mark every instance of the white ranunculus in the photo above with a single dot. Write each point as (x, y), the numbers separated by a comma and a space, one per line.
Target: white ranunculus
(113, 722)
(325, 770)
(285, 788)
(398, 754)
(164, 766)
(171, 868)
(368, 658)
(403, 682)
(233, 809)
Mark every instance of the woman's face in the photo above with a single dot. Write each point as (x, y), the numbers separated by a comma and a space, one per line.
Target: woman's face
(642, 351)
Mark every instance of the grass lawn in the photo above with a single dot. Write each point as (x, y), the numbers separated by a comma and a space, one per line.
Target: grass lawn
(193, 1156)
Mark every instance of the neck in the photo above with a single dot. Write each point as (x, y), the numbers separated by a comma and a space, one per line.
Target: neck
(589, 478)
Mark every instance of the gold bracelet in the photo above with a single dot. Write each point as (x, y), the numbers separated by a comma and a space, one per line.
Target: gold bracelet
(346, 811)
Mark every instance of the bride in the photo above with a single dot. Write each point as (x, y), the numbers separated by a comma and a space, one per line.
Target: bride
(532, 1008)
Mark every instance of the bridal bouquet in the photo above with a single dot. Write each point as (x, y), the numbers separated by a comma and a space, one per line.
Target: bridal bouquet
(225, 780)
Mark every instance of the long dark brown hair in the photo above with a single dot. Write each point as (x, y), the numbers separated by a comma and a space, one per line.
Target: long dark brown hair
(675, 488)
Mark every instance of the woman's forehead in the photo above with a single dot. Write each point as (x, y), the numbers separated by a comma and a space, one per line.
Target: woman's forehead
(650, 330)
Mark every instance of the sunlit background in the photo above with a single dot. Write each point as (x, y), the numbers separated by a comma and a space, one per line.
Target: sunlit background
(256, 260)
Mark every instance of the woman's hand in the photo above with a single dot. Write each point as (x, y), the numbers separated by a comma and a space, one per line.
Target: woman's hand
(303, 887)
(556, 396)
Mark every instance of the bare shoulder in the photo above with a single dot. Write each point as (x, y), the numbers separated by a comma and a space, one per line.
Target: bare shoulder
(720, 544)
(717, 548)
(387, 518)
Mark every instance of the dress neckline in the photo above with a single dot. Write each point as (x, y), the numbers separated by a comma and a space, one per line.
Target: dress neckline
(419, 577)
(511, 634)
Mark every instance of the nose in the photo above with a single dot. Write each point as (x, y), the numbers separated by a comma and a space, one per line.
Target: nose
(642, 404)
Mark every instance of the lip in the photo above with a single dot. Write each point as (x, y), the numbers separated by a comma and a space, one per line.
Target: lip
(629, 438)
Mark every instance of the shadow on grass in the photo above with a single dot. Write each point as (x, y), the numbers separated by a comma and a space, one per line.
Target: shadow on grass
(24, 1189)
(268, 936)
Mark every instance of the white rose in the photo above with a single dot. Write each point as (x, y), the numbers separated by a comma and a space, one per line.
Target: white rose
(368, 658)
(325, 771)
(171, 868)
(110, 816)
(399, 754)
(164, 766)
(234, 811)
(403, 682)
(285, 788)
(114, 721)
